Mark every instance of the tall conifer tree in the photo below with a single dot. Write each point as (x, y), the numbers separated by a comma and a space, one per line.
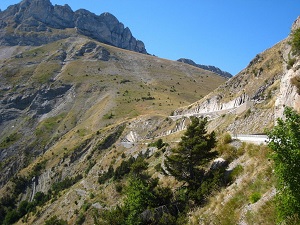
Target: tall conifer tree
(187, 162)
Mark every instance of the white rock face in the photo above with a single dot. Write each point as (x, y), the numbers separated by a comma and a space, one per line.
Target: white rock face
(288, 95)
(131, 137)
(213, 105)
(41, 183)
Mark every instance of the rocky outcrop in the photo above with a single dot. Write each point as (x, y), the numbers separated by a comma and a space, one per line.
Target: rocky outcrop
(36, 22)
(37, 103)
(296, 24)
(212, 104)
(206, 67)
(288, 94)
(41, 183)
(98, 52)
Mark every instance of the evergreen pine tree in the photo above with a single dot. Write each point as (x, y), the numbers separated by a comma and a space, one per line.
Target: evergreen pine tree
(187, 162)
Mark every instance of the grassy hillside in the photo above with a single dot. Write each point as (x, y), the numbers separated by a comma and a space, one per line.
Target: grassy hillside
(80, 120)
(67, 106)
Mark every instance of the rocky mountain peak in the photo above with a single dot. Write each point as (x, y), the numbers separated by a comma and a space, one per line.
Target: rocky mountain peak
(31, 22)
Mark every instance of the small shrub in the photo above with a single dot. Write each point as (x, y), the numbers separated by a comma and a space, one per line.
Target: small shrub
(86, 206)
(247, 114)
(138, 166)
(11, 217)
(158, 167)
(92, 195)
(236, 172)
(227, 151)
(118, 187)
(158, 144)
(124, 81)
(167, 219)
(295, 81)
(108, 116)
(157, 154)
(107, 175)
(10, 140)
(254, 197)
(226, 138)
(55, 221)
(80, 219)
(290, 63)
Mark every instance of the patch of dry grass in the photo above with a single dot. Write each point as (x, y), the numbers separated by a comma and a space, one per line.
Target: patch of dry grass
(232, 204)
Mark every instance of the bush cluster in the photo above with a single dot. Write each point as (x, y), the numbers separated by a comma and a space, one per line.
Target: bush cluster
(132, 165)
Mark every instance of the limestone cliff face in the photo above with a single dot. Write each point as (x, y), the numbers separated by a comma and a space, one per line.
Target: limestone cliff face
(288, 94)
(213, 104)
(36, 22)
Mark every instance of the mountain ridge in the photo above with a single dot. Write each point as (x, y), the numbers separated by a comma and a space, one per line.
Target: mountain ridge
(36, 22)
(206, 67)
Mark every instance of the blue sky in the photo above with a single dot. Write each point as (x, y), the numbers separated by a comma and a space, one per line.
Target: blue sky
(226, 34)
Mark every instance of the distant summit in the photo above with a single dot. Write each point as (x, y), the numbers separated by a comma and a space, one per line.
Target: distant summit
(205, 67)
(36, 22)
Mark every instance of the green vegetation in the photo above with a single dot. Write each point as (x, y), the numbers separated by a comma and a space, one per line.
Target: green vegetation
(250, 181)
(55, 221)
(66, 183)
(144, 197)
(48, 125)
(108, 116)
(148, 203)
(291, 61)
(238, 170)
(45, 71)
(285, 143)
(132, 165)
(8, 141)
(187, 161)
(226, 139)
(296, 82)
(46, 129)
(37, 169)
(158, 144)
(295, 42)
(254, 197)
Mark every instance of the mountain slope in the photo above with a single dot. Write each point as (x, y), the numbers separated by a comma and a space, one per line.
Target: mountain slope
(249, 103)
(252, 95)
(79, 84)
(74, 107)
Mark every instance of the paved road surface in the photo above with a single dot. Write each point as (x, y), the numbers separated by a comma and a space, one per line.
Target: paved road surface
(255, 139)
